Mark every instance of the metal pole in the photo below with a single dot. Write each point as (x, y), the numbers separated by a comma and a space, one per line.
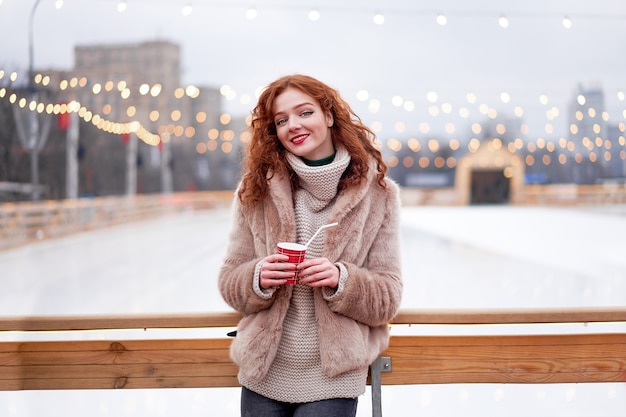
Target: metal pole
(131, 165)
(71, 174)
(624, 163)
(381, 364)
(34, 174)
(167, 184)
(31, 52)
(33, 123)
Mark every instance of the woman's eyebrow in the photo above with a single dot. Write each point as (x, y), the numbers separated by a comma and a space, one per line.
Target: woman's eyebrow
(297, 106)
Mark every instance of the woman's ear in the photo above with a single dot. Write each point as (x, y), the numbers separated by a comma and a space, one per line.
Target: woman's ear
(330, 120)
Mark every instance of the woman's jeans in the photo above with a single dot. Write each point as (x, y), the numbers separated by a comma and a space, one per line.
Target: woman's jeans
(255, 405)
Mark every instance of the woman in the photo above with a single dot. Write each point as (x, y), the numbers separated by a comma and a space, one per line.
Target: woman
(304, 349)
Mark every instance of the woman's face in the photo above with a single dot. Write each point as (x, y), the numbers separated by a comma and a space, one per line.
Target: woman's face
(302, 126)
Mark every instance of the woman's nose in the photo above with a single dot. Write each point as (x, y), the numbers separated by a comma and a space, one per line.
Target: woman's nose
(293, 123)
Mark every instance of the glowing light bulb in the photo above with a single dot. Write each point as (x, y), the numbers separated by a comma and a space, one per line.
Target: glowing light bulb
(503, 21)
(314, 15)
(251, 13)
(567, 22)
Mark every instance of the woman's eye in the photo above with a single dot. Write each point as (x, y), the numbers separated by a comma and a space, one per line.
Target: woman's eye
(280, 122)
(306, 113)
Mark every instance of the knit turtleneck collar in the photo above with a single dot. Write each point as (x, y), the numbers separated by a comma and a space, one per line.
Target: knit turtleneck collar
(320, 182)
(320, 162)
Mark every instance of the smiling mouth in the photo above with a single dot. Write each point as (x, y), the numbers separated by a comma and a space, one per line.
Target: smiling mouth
(299, 139)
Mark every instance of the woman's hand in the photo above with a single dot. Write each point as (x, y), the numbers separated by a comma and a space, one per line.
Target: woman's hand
(275, 271)
(319, 272)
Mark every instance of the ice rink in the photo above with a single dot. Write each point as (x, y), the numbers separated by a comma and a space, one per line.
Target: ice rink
(453, 257)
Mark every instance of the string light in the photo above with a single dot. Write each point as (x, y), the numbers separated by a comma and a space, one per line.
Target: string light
(251, 13)
(314, 15)
(380, 15)
(551, 113)
(362, 95)
(503, 21)
(187, 9)
(432, 97)
(567, 22)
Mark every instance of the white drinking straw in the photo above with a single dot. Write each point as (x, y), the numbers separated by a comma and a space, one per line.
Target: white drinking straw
(319, 230)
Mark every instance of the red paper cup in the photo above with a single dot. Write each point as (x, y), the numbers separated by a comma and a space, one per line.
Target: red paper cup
(296, 253)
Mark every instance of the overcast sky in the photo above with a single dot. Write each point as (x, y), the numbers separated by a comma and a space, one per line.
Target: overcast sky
(408, 56)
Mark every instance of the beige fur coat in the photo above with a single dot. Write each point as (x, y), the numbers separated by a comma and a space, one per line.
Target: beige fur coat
(352, 324)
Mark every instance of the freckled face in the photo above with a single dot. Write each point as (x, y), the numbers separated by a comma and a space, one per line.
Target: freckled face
(302, 126)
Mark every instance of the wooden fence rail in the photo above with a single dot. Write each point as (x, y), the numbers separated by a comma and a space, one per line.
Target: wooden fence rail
(191, 363)
(25, 222)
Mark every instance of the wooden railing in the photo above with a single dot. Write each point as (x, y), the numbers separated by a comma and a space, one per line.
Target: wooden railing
(190, 363)
(23, 223)
(573, 194)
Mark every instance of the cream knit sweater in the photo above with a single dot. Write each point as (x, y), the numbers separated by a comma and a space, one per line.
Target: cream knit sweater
(296, 374)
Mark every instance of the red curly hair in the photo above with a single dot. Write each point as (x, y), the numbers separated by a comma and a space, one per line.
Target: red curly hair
(266, 155)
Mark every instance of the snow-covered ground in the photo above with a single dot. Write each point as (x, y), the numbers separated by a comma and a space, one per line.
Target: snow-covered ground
(453, 257)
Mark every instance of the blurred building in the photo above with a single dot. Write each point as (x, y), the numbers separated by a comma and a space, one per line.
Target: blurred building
(141, 82)
(593, 151)
(187, 141)
(596, 151)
